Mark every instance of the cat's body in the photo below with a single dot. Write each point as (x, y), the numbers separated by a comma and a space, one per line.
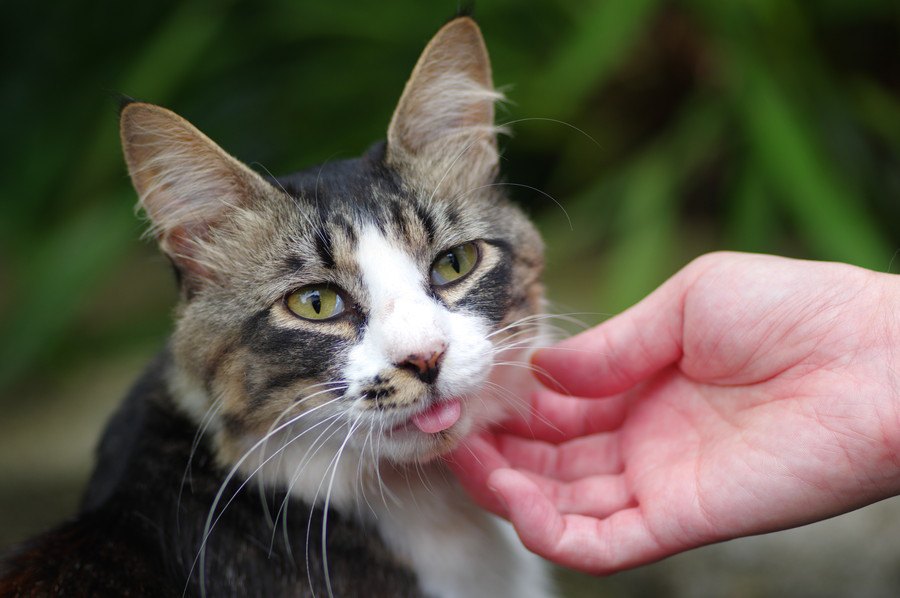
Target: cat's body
(339, 329)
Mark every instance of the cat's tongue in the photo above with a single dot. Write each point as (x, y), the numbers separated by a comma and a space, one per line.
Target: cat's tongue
(438, 417)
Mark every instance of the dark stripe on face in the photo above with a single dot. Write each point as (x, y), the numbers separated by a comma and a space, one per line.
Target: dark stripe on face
(293, 264)
(427, 222)
(306, 354)
(324, 246)
(399, 220)
(490, 296)
(268, 381)
(452, 214)
(348, 230)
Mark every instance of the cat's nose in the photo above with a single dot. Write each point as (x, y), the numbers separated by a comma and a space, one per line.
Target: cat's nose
(425, 365)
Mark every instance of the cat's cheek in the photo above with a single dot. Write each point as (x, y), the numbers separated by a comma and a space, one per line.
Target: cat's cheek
(469, 357)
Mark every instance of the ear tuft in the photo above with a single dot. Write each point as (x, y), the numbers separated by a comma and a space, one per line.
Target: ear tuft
(465, 9)
(446, 113)
(123, 101)
(186, 183)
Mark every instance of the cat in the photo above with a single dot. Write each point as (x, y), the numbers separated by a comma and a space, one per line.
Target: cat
(338, 331)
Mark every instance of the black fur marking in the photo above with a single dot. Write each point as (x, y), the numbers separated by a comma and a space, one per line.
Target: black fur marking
(309, 354)
(259, 385)
(324, 246)
(271, 382)
(141, 525)
(452, 215)
(378, 394)
(399, 220)
(427, 222)
(293, 264)
(490, 296)
(348, 229)
(346, 187)
(502, 244)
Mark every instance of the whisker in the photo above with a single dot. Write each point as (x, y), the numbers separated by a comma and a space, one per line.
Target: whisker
(211, 520)
(282, 512)
(332, 386)
(334, 469)
(552, 120)
(205, 422)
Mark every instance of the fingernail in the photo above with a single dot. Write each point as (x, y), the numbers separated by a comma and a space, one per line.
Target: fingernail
(499, 497)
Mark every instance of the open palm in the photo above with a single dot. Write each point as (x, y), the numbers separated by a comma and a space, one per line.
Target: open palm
(747, 394)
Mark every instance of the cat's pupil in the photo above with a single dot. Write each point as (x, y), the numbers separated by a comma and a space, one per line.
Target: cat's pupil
(316, 301)
(454, 262)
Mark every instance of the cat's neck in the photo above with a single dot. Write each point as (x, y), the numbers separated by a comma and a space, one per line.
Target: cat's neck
(419, 509)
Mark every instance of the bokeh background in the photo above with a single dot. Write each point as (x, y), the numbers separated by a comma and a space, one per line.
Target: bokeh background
(646, 132)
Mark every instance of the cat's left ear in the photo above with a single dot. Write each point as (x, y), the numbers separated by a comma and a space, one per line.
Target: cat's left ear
(442, 132)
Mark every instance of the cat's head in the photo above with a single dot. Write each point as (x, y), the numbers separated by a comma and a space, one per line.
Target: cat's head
(366, 299)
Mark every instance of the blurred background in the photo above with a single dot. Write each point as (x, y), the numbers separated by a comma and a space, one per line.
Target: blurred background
(664, 130)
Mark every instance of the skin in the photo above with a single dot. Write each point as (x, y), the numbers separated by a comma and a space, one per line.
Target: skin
(747, 394)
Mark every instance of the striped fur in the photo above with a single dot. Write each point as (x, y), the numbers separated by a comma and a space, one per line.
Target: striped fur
(322, 412)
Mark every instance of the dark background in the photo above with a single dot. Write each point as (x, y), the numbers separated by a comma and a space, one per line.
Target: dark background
(663, 129)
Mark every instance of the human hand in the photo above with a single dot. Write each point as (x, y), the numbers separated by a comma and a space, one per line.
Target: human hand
(747, 394)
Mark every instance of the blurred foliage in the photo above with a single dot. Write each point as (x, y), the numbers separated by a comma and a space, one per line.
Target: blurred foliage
(665, 129)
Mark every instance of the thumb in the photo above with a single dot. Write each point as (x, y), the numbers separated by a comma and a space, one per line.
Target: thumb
(630, 347)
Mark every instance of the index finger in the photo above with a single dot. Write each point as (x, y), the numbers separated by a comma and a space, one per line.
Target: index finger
(553, 417)
(617, 354)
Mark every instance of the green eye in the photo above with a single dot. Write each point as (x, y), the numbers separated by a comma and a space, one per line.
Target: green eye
(454, 264)
(315, 302)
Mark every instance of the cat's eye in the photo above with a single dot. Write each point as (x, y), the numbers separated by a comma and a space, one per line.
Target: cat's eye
(315, 302)
(454, 263)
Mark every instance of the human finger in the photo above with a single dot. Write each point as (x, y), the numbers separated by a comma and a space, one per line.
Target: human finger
(594, 545)
(472, 462)
(553, 417)
(630, 347)
(593, 496)
(572, 460)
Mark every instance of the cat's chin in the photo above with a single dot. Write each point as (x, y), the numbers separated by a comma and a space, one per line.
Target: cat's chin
(408, 444)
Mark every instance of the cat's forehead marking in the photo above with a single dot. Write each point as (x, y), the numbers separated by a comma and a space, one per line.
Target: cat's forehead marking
(343, 197)
(387, 270)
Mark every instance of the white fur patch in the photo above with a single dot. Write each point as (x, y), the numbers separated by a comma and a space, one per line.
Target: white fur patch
(455, 548)
(405, 320)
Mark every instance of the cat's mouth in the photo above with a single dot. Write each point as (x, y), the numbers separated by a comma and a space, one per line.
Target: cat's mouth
(438, 417)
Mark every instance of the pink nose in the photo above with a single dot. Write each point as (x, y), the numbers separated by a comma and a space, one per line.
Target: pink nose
(425, 366)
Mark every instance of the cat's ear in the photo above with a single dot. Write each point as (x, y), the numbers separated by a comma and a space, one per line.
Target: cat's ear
(443, 127)
(186, 183)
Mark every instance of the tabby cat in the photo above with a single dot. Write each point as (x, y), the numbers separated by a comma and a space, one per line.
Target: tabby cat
(338, 330)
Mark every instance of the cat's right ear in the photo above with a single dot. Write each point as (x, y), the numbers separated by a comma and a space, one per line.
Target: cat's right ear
(186, 183)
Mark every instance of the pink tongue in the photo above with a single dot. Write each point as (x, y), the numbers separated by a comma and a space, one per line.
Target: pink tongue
(439, 416)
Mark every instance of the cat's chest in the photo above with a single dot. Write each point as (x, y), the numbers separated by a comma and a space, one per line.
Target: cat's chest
(454, 548)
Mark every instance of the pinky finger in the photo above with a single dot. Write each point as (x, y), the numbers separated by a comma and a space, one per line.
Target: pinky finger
(594, 496)
(589, 544)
